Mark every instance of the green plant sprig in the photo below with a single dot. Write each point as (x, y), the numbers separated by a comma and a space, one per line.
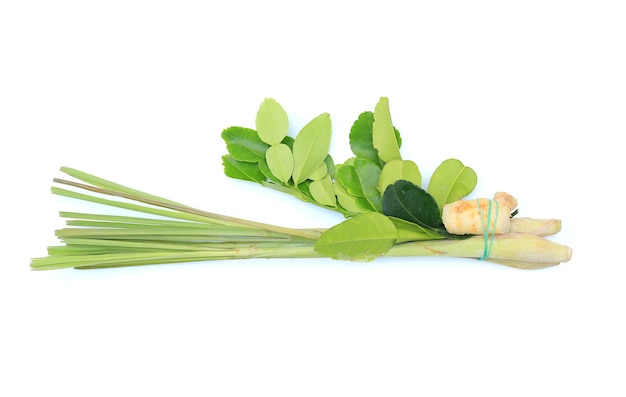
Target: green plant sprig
(179, 234)
(377, 179)
(387, 212)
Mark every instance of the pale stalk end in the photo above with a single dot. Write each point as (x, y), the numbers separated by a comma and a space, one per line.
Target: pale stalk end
(538, 227)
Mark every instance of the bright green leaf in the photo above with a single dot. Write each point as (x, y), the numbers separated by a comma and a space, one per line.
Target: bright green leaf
(451, 181)
(319, 173)
(373, 203)
(361, 181)
(383, 136)
(330, 166)
(348, 178)
(349, 161)
(242, 170)
(396, 170)
(322, 191)
(311, 146)
(272, 122)
(362, 238)
(265, 169)
(244, 144)
(361, 141)
(345, 199)
(407, 201)
(361, 138)
(280, 161)
(361, 178)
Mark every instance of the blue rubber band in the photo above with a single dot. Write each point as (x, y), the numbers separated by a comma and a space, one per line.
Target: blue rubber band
(488, 241)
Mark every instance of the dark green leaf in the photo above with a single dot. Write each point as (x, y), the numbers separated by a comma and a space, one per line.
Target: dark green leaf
(407, 201)
(244, 144)
(242, 170)
(362, 238)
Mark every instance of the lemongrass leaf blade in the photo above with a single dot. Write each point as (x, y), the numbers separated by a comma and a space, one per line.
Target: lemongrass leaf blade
(106, 184)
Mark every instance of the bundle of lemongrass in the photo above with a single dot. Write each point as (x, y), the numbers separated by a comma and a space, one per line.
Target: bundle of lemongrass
(180, 233)
(387, 212)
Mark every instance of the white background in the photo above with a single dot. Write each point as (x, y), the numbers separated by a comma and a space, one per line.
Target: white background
(529, 94)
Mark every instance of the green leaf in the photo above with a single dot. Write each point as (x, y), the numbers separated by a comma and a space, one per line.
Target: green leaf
(361, 178)
(407, 201)
(383, 136)
(319, 173)
(311, 146)
(288, 141)
(362, 238)
(244, 144)
(409, 231)
(242, 170)
(272, 122)
(304, 190)
(361, 141)
(265, 169)
(396, 170)
(451, 181)
(361, 138)
(361, 181)
(330, 166)
(345, 199)
(280, 161)
(373, 203)
(322, 191)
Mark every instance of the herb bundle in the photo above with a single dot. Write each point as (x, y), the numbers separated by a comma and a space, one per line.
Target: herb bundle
(387, 211)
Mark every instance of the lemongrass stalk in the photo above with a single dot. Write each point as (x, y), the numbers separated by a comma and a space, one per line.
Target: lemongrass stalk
(523, 264)
(519, 250)
(538, 227)
(128, 220)
(169, 231)
(507, 247)
(106, 184)
(192, 235)
(162, 257)
(179, 211)
(154, 246)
